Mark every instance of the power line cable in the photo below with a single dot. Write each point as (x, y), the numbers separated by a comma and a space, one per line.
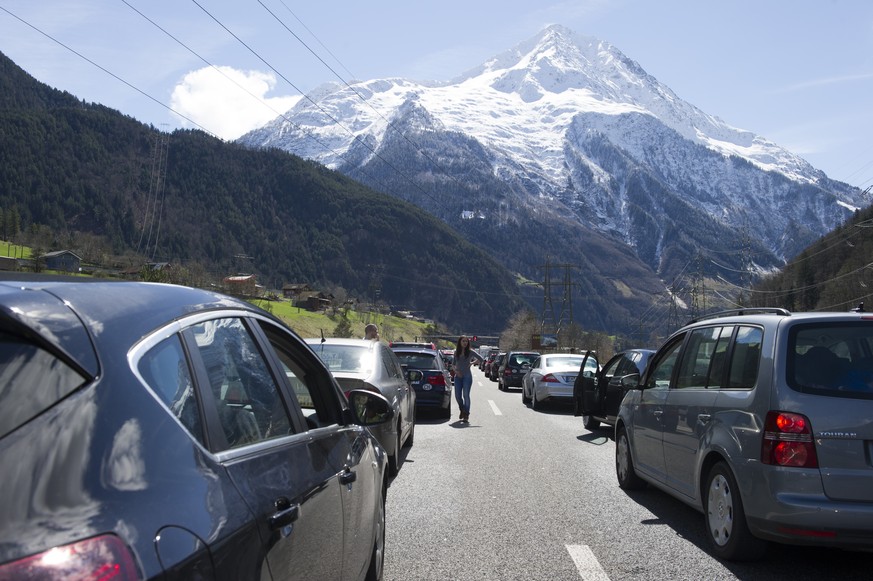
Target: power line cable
(105, 70)
(336, 121)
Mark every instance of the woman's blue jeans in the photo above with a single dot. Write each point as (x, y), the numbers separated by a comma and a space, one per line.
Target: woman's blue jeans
(462, 392)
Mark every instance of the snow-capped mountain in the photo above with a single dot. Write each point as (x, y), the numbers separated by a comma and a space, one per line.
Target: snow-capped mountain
(562, 146)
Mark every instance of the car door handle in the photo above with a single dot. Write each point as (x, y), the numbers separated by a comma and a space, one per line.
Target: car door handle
(658, 413)
(348, 476)
(703, 418)
(286, 513)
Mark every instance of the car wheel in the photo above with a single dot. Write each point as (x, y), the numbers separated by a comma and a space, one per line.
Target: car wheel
(394, 459)
(534, 404)
(377, 559)
(410, 439)
(624, 464)
(447, 413)
(726, 526)
(590, 423)
(524, 398)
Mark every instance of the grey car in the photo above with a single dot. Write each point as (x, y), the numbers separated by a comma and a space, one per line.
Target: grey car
(371, 365)
(761, 419)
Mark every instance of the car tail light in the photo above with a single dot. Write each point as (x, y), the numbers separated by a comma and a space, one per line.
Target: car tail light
(549, 378)
(436, 379)
(104, 558)
(788, 441)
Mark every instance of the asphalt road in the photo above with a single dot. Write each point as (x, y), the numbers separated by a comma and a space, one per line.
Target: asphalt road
(518, 494)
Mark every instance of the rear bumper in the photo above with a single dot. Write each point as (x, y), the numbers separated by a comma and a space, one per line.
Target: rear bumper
(555, 393)
(788, 505)
(433, 399)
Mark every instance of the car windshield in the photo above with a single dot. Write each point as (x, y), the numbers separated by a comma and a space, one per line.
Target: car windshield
(346, 358)
(832, 359)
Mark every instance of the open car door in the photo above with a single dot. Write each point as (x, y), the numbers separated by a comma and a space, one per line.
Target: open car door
(585, 396)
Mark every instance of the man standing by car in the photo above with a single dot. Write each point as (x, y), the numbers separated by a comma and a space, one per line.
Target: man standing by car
(464, 357)
(371, 332)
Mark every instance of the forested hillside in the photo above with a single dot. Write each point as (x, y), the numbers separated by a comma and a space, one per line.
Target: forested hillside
(834, 274)
(69, 169)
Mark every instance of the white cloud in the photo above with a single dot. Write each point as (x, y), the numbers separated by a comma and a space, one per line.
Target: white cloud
(228, 102)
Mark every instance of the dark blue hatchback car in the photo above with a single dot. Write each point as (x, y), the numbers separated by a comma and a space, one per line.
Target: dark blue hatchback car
(151, 431)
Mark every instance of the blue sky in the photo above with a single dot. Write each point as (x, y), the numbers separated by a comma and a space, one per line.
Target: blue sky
(798, 72)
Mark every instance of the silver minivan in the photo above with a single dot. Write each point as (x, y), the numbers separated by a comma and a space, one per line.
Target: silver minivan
(763, 420)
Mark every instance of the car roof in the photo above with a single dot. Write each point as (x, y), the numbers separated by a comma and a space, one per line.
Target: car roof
(771, 316)
(108, 314)
(341, 341)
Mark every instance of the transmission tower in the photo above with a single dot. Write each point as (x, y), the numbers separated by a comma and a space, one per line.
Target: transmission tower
(155, 199)
(566, 316)
(549, 324)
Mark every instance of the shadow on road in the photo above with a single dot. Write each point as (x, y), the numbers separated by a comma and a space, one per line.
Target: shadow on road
(596, 438)
(794, 563)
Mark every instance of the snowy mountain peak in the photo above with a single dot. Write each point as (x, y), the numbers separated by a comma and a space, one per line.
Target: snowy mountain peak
(568, 120)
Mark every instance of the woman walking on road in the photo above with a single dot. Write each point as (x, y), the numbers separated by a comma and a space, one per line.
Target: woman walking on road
(464, 357)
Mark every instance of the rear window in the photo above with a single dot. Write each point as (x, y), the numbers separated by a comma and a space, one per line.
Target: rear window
(417, 360)
(522, 359)
(346, 358)
(31, 381)
(834, 359)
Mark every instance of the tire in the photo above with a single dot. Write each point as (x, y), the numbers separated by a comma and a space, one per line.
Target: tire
(590, 423)
(447, 413)
(534, 404)
(524, 398)
(726, 528)
(394, 459)
(624, 464)
(377, 557)
(410, 439)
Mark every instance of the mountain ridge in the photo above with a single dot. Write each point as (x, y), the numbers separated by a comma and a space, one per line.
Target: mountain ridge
(566, 132)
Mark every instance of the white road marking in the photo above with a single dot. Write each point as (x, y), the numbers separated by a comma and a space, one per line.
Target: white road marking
(586, 563)
(494, 408)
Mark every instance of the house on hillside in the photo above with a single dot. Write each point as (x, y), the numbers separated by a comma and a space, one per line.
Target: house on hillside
(63, 260)
(8, 263)
(242, 285)
(315, 302)
(294, 290)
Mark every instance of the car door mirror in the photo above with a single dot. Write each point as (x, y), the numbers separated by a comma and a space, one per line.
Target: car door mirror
(369, 408)
(631, 381)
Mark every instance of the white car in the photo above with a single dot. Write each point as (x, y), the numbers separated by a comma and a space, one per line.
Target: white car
(551, 378)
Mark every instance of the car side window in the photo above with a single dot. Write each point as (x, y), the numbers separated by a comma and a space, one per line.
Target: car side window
(704, 358)
(165, 370)
(746, 358)
(391, 363)
(31, 381)
(308, 380)
(245, 394)
(612, 368)
(662, 368)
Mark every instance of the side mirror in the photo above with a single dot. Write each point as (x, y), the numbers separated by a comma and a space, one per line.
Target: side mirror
(631, 381)
(368, 408)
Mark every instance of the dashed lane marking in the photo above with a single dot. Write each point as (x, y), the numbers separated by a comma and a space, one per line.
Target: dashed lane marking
(494, 408)
(586, 563)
